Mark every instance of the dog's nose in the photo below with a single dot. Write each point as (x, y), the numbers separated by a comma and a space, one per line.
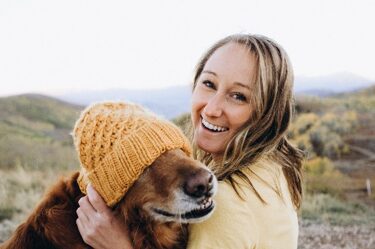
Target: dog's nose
(199, 184)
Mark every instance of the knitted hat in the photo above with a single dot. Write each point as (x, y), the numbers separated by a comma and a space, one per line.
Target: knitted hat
(116, 142)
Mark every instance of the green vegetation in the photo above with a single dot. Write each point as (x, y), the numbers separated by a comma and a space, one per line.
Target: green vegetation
(362, 101)
(39, 109)
(327, 128)
(36, 148)
(325, 208)
(321, 176)
(34, 133)
(321, 135)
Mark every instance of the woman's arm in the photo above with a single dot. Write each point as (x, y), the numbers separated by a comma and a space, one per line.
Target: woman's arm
(98, 225)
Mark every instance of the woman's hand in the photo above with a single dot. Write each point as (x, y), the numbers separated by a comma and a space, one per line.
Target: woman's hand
(98, 225)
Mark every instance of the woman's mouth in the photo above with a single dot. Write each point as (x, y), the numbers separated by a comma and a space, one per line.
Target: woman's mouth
(212, 127)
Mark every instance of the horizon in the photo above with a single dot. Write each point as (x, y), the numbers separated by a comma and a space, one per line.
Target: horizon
(321, 92)
(51, 47)
(66, 91)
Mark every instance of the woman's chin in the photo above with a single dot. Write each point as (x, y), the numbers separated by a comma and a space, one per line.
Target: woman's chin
(210, 143)
(209, 147)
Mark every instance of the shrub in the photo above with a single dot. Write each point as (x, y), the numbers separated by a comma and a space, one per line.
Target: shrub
(302, 124)
(322, 135)
(322, 177)
(340, 123)
(306, 104)
(326, 142)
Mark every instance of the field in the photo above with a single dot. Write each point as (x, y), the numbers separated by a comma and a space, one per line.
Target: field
(338, 210)
(337, 133)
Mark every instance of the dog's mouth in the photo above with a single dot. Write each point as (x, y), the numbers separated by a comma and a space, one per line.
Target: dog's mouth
(203, 210)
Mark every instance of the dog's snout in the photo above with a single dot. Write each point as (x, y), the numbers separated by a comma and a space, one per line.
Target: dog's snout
(199, 184)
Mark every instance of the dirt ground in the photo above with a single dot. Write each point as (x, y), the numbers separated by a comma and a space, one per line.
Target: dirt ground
(324, 236)
(311, 236)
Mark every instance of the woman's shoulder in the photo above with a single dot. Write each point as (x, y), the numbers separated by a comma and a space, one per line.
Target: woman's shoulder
(245, 221)
(267, 179)
(276, 217)
(231, 225)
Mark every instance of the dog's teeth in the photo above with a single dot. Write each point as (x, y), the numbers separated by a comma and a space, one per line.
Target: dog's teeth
(205, 204)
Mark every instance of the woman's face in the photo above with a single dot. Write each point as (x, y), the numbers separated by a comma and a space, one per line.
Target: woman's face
(221, 98)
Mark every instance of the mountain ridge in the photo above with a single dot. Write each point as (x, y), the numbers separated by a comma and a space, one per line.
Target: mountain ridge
(172, 101)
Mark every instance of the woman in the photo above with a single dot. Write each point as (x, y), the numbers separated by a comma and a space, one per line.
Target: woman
(241, 109)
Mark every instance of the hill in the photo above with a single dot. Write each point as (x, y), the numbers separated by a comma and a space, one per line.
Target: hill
(167, 102)
(328, 85)
(173, 101)
(34, 132)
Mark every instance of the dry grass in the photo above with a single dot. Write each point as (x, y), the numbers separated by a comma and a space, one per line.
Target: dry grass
(20, 191)
(324, 208)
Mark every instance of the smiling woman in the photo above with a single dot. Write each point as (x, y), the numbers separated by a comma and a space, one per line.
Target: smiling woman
(241, 108)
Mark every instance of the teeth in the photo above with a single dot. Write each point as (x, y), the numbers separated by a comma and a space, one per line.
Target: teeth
(213, 127)
(206, 203)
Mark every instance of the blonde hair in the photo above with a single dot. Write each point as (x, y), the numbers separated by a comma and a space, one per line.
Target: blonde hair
(265, 132)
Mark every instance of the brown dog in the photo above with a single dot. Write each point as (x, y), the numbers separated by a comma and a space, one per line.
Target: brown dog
(173, 191)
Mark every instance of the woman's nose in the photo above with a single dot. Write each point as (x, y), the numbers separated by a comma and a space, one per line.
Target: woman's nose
(214, 106)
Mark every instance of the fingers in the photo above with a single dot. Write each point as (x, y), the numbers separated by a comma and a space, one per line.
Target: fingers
(82, 215)
(83, 221)
(87, 220)
(80, 226)
(98, 224)
(96, 201)
(86, 231)
(85, 207)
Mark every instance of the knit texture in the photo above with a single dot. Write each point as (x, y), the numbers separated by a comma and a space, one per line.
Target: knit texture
(116, 142)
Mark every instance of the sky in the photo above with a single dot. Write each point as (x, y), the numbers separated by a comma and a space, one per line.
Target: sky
(50, 46)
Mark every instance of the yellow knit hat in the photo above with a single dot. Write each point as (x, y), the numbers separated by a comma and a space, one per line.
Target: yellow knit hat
(116, 141)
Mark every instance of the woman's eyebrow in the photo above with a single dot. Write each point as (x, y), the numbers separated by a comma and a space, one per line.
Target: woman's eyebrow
(209, 72)
(236, 83)
(242, 85)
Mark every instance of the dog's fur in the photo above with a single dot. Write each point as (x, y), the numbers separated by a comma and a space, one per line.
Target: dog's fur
(155, 208)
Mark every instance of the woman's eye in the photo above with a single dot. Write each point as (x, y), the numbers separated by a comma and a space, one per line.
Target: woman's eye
(239, 97)
(208, 84)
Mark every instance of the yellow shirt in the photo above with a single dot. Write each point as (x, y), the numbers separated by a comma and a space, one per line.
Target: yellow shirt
(248, 223)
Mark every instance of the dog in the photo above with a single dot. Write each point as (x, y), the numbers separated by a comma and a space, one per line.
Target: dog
(174, 191)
